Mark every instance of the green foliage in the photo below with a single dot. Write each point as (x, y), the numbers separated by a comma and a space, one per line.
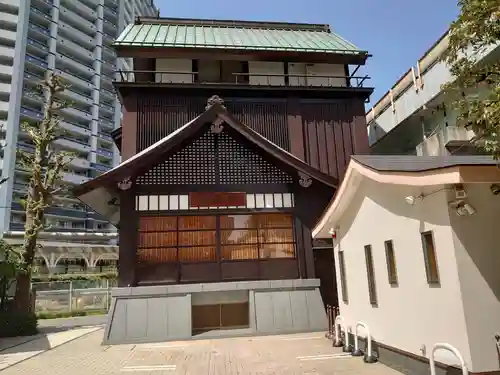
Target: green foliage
(74, 277)
(475, 92)
(11, 265)
(69, 314)
(17, 324)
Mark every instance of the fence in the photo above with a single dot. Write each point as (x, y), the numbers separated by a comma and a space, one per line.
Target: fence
(76, 295)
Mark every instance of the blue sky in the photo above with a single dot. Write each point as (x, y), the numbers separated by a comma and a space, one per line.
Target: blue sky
(395, 32)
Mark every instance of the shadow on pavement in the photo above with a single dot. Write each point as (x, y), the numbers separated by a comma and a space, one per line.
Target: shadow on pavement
(40, 342)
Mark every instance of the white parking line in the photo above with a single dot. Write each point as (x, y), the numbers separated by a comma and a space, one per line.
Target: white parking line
(301, 338)
(161, 346)
(148, 368)
(324, 356)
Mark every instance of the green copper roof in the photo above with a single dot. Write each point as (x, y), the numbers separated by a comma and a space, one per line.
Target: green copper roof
(171, 35)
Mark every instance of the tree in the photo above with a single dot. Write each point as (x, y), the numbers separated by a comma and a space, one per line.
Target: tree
(45, 165)
(475, 91)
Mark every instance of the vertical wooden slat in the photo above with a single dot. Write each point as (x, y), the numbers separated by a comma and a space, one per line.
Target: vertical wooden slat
(359, 129)
(295, 129)
(346, 130)
(339, 139)
(129, 129)
(322, 146)
(330, 144)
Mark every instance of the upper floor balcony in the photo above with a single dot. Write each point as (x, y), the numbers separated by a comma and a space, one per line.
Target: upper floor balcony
(248, 80)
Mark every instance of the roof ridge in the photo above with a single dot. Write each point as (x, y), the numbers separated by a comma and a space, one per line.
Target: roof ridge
(234, 23)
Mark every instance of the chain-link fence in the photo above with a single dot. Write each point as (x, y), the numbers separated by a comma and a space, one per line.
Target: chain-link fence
(76, 295)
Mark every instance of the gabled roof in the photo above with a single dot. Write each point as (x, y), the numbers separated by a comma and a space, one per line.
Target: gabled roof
(97, 193)
(234, 35)
(407, 170)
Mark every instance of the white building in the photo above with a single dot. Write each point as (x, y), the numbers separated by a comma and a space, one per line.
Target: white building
(71, 38)
(413, 117)
(417, 257)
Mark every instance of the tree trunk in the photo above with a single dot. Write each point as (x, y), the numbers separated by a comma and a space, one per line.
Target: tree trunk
(22, 300)
(23, 281)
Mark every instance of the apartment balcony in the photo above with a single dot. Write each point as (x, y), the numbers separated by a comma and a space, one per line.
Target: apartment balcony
(41, 16)
(8, 20)
(110, 26)
(108, 93)
(4, 106)
(74, 80)
(7, 52)
(106, 123)
(80, 163)
(74, 179)
(83, 51)
(66, 212)
(290, 81)
(77, 21)
(77, 113)
(36, 48)
(104, 152)
(69, 61)
(75, 34)
(5, 89)
(80, 7)
(20, 187)
(42, 4)
(8, 34)
(36, 62)
(72, 144)
(39, 32)
(77, 97)
(31, 113)
(108, 38)
(109, 110)
(75, 128)
(105, 137)
(100, 167)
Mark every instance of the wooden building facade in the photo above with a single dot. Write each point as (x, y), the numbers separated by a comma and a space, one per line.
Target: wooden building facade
(225, 173)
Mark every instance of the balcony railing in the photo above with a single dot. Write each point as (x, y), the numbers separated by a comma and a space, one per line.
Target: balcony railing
(241, 79)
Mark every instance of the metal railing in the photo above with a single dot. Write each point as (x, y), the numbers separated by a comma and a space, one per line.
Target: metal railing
(242, 79)
(77, 295)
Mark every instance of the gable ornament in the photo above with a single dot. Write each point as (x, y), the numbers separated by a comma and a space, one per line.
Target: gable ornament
(125, 184)
(214, 99)
(304, 181)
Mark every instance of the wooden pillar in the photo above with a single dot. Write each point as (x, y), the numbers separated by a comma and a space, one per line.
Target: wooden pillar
(128, 232)
(129, 127)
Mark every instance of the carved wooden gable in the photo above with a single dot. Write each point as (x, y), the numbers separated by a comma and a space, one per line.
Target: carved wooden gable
(213, 159)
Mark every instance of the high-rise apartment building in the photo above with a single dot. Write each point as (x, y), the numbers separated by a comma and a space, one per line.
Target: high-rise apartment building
(73, 39)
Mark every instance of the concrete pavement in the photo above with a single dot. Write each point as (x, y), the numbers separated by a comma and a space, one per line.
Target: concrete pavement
(267, 355)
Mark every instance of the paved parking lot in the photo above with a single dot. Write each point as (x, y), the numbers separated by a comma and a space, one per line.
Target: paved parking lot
(284, 355)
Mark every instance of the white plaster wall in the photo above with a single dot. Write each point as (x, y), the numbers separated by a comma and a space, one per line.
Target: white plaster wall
(312, 71)
(267, 67)
(324, 72)
(476, 241)
(413, 314)
(177, 66)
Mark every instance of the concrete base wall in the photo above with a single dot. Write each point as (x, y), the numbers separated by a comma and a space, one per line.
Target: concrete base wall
(163, 313)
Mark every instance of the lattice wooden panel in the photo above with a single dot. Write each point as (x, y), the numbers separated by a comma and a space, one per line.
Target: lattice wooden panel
(193, 165)
(215, 159)
(240, 165)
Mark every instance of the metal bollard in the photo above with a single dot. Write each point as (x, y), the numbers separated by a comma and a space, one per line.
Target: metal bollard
(328, 333)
